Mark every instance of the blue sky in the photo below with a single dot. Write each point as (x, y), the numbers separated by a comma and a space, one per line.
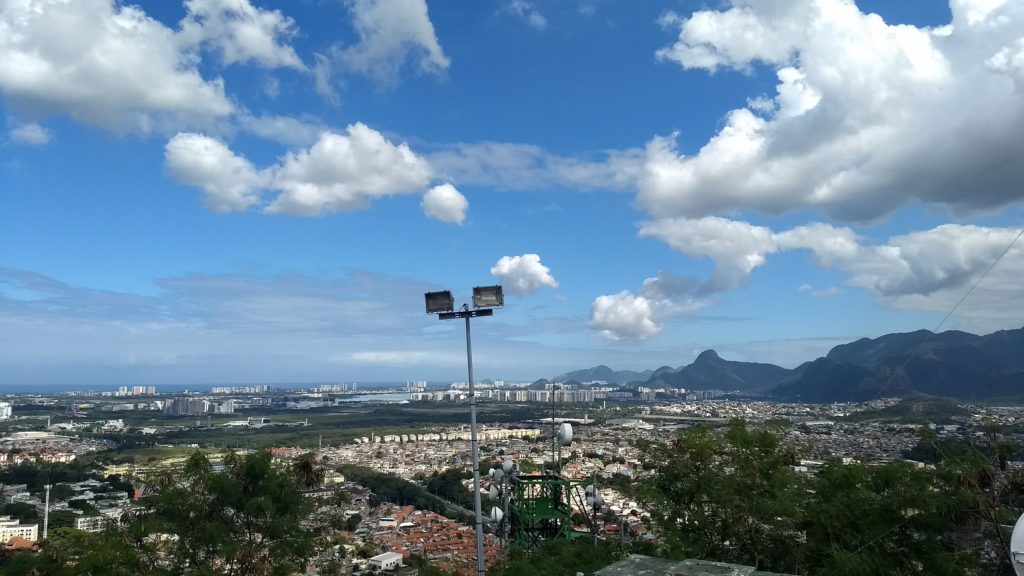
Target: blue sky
(249, 191)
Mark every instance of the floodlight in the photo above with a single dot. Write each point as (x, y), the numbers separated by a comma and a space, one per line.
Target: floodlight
(488, 297)
(485, 299)
(438, 302)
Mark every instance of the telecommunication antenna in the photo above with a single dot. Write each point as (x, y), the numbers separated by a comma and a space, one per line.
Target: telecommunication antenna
(1017, 547)
(46, 512)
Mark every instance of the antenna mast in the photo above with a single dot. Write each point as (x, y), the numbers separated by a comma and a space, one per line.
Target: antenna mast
(46, 513)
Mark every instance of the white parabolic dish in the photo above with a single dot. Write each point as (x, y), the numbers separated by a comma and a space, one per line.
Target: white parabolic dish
(1017, 547)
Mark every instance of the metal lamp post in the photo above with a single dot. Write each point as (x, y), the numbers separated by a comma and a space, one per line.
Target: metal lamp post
(485, 300)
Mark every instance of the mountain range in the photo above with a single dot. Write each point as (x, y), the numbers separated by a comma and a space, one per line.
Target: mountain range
(951, 364)
(604, 374)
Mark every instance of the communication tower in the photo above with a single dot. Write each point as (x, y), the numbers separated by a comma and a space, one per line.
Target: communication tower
(540, 506)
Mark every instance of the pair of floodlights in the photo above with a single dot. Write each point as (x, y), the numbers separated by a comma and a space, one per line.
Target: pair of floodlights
(484, 298)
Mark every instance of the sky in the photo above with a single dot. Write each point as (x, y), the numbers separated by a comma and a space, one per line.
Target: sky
(231, 191)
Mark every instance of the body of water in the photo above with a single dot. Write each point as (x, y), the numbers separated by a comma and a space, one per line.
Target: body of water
(390, 398)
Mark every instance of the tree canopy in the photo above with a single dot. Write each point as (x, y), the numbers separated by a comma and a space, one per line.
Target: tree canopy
(249, 519)
(735, 497)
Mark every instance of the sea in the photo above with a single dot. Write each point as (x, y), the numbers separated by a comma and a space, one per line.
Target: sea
(51, 389)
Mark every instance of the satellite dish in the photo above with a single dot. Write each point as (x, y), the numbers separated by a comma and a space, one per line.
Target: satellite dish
(497, 514)
(589, 489)
(1017, 547)
(565, 434)
(493, 492)
(497, 474)
(508, 466)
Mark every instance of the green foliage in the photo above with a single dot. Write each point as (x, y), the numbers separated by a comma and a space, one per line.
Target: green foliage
(249, 516)
(62, 519)
(71, 552)
(87, 508)
(560, 557)
(353, 522)
(35, 475)
(424, 568)
(734, 498)
(366, 550)
(21, 511)
(249, 519)
(61, 491)
(448, 485)
(309, 470)
(388, 488)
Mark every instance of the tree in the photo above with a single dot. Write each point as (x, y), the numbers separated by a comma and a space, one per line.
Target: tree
(247, 519)
(448, 485)
(559, 557)
(733, 497)
(353, 522)
(61, 491)
(21, 511)
(309, 470)
(62, 519)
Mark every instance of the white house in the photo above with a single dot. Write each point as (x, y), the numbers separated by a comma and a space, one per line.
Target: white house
(386, 561)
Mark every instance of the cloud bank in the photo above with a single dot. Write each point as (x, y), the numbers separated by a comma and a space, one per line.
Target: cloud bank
(866, 116)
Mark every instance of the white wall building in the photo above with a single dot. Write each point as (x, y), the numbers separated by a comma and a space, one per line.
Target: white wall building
(11, 528)
(92, 523)
(386, 562)
(5, 410)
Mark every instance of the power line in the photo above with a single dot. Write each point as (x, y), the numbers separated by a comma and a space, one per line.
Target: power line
(950, 313)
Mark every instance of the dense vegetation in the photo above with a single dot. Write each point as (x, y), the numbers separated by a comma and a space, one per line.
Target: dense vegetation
(249, 519)
(735, 498)
(560, 558)
(388, 488)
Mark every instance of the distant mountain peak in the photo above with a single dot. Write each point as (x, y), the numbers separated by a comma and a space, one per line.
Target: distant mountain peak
(707, 356)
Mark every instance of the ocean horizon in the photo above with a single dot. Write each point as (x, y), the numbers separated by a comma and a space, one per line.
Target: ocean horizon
(50, 389)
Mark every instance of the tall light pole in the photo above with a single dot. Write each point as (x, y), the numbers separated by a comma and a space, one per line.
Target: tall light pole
(485, 300)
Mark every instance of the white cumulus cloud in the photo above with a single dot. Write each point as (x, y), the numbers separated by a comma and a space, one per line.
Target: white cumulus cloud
(623, 316)
(925, 270)
(866, 116)
(339, 172)
(391, 33)
(524, 274)
(627, 316)
(446, 204)
(345, 172)
(229, 182)
(240, 32)
(118, 69)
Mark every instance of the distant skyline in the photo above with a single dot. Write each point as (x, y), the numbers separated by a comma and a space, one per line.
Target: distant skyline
(216, 191)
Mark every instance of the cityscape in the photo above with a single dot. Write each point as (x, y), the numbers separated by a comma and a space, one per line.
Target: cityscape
(127, 437)
(511, 288)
